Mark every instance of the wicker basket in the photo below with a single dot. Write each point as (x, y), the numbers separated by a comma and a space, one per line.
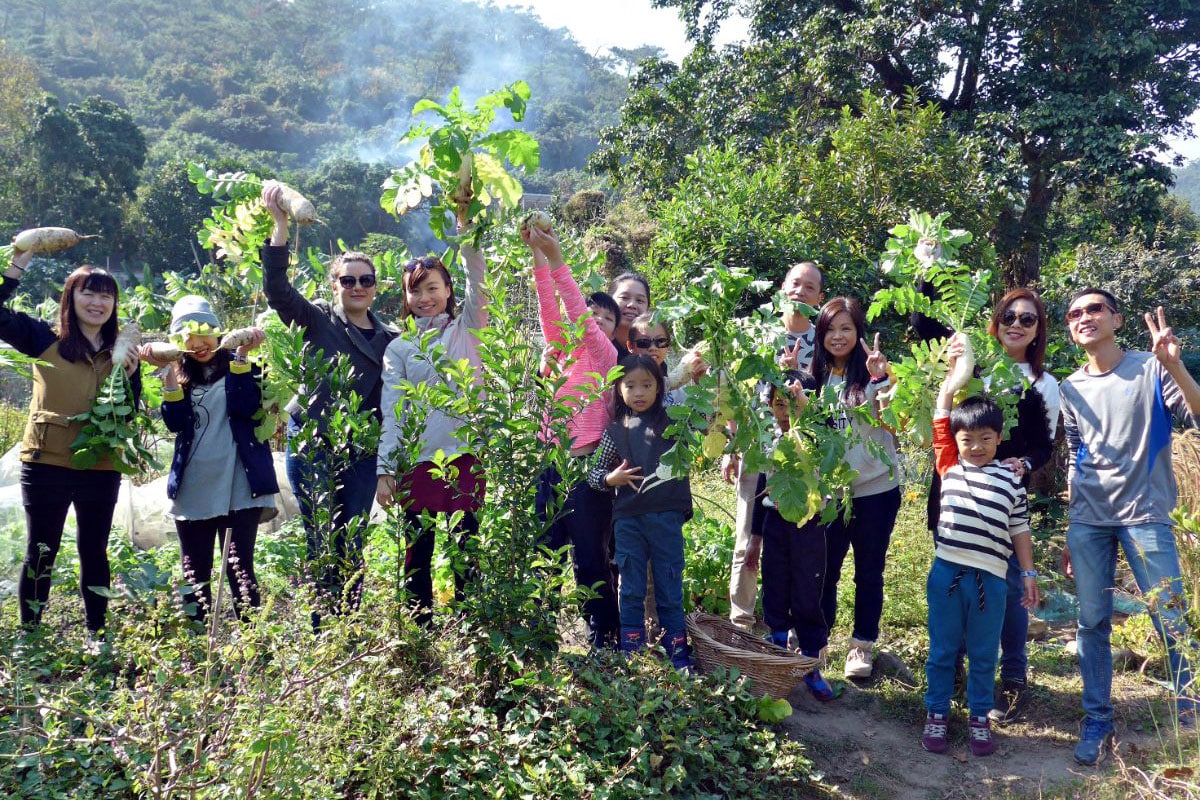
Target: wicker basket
(717, 642)
(1185, 459)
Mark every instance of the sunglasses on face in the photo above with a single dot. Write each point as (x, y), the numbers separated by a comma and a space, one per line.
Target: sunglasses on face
(1027, 319)
(348, 281)
(427, 262)
(646, 344)
(1091, 309)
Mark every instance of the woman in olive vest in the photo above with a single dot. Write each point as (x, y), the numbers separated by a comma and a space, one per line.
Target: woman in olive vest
(77, 358)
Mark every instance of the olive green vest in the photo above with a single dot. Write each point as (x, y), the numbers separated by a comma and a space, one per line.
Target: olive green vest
(61, 389)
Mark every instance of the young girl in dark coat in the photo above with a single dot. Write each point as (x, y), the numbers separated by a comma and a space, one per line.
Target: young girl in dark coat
(222, 480)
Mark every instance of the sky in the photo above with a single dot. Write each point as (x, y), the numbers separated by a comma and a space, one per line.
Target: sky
(633, 23)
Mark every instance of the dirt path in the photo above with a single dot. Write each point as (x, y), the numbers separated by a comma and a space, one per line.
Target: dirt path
(866, 748)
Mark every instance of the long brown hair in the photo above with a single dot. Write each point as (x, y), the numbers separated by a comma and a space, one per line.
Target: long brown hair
(72, 344)
(1035, 351)
(417, 270)
(857, 376)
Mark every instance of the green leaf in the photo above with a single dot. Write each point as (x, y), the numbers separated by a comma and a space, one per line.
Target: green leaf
(773, 710)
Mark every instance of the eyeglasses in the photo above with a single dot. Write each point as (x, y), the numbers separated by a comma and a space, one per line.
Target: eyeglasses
(646, 344)
(427, 262)
(1091, 309)
(348, 281)
(1027, 319)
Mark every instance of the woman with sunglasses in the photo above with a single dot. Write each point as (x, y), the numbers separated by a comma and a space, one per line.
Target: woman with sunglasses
(421, 483)
(1019, 323)
(346, 328)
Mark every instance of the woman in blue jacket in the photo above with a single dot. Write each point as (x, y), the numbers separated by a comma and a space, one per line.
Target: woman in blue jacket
(222, 477)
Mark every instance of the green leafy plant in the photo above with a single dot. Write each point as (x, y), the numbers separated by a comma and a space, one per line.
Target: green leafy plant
(926, 249)
(463, 160)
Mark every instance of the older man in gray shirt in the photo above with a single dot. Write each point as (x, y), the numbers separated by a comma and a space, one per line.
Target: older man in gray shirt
(1118, 411)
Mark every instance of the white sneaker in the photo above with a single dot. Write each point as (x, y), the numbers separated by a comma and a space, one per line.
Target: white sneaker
(860, 660)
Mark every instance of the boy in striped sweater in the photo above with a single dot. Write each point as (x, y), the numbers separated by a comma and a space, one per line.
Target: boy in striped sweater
(984, 519)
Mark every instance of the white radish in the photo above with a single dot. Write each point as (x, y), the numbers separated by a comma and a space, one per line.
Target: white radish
(165, 351)
(127, 341)
(47, 240)
(964, 366)
(296, 205)
(537, 219)
(235, 339)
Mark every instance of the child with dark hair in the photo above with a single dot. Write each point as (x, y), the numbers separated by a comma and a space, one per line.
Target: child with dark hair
(793, 556)
(983, 519)
(648, 510)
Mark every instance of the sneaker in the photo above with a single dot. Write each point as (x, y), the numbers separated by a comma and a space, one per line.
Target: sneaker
(1095, 738)
(980, 731)
(819, 687)
(859, 661)
(1010, 702)
(933, 738)
(95, 644)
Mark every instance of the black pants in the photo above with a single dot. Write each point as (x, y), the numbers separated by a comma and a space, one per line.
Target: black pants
(585, 522)
(196, 540)
(793, 579)
(418, 562)
(47, 493)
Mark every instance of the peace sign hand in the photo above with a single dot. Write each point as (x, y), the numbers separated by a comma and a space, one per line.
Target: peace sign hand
(876, 361)
(790, 357)
(1163, 341)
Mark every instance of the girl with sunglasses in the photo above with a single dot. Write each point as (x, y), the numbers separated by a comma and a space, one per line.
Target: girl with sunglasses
(345, 328)
(432, 312)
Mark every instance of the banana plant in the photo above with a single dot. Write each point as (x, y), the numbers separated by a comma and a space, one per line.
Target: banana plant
(461, 162)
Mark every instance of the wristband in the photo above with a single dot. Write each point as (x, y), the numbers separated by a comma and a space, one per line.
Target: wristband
(1029, 573)
(239, 357)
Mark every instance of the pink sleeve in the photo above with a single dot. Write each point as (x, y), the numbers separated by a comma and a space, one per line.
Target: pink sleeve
(599, 345)
(548, 314)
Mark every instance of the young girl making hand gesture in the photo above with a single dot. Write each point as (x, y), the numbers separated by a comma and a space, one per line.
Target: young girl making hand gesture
(648, 512)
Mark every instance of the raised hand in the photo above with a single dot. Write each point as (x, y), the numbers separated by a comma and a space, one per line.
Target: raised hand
(625, 475)
(271, 192)
(1163, 341)
(876, 361)
(546, 242)
(258, 336)
(790, 357)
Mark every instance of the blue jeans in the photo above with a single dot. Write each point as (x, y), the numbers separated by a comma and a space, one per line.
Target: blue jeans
(869, 532)
(956, 619)
(1014, 662)
(1150, 551)
(656, 538)
(336, 559)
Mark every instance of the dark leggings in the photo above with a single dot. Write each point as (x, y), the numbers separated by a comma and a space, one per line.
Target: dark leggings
(868, 532)
(47, 493)
(418, 562)
(196, 540)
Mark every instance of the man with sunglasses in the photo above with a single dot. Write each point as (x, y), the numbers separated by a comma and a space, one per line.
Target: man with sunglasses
(1118, 411)
(348, 328)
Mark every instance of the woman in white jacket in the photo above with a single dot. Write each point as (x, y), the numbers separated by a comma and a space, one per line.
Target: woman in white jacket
(435, 314)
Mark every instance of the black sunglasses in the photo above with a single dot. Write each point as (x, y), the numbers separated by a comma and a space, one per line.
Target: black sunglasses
(1027, 319)
(427, 262)
(348, 281)
(646, 344)
(1091, 309)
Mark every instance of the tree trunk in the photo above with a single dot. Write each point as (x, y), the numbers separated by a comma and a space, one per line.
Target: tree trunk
(1019, 239)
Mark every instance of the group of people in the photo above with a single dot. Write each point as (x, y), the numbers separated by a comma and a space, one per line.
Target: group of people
(1117, 411)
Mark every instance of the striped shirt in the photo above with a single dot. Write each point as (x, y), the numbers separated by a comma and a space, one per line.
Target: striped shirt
(982, 508)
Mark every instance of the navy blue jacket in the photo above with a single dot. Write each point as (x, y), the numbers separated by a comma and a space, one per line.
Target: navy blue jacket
(243, 398)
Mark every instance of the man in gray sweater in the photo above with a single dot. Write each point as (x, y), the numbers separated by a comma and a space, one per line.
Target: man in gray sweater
(1118, 411)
